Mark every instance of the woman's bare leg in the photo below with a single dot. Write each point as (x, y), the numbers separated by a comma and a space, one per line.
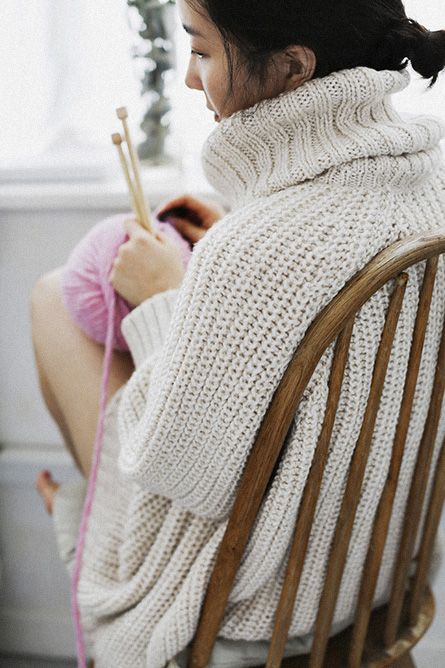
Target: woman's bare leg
(69, 366)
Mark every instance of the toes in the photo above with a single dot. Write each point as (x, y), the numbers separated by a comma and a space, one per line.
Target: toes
(42, 481)
(47, 487)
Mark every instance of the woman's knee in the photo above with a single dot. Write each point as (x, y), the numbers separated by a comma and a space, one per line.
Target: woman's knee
(46, 290)
(45, 302)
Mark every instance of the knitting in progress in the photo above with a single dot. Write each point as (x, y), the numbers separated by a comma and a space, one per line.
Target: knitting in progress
(87, 292)
(320, 179)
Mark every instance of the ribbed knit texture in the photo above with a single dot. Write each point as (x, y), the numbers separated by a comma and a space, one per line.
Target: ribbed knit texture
(320, 180)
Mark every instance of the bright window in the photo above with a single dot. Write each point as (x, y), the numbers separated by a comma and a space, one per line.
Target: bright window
(65, 65)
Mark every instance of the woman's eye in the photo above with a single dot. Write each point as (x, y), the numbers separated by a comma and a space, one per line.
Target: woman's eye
(197, 53)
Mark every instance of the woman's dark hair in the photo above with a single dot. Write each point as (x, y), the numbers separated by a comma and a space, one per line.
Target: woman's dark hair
(342, 34)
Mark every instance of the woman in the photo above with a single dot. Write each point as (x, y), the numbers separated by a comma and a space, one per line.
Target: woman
(321, 174)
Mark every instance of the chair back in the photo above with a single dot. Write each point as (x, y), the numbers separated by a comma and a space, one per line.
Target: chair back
(335, 323)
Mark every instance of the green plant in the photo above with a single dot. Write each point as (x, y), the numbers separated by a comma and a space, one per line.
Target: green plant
(158, 58)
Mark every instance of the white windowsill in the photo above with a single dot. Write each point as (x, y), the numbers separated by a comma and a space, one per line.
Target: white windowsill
(158, 182)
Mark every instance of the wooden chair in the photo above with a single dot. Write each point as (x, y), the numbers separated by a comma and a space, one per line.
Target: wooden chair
(383, 636)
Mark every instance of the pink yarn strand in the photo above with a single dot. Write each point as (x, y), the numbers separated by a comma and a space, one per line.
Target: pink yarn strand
(80, 645)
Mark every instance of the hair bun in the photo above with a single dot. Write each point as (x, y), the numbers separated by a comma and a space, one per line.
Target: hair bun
(425, 49)
(428, 54)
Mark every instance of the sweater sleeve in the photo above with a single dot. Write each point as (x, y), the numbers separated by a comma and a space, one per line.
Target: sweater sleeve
(146, 326)
(190, 413)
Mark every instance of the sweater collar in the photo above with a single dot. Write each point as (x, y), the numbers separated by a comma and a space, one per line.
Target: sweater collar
(328, 126)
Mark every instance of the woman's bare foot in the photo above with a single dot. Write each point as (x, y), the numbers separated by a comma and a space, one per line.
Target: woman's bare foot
(47, 487)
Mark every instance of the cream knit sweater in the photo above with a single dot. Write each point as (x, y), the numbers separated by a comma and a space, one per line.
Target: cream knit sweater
(320, 179)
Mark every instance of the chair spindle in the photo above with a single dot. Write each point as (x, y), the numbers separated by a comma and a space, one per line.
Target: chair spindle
(351, 495)
(415, 499)
(381, 523)
(433, 514)
(283, 616)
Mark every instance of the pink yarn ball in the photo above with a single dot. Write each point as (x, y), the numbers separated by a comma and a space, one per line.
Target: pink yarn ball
(87, 292)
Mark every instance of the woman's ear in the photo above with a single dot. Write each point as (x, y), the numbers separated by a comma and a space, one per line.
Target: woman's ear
(300, 63)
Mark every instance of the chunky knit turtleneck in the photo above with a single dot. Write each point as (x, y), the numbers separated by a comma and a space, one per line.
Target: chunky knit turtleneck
(320, 180)
(329, 127)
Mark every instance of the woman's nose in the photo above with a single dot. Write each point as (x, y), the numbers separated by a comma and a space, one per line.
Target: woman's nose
(192, 79)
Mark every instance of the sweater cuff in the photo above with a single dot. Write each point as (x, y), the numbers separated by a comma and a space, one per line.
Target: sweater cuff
(145, 327)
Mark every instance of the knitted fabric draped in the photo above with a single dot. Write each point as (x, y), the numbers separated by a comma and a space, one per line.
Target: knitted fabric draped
(98, 310)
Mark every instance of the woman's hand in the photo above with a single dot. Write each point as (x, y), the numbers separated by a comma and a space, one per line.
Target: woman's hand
(190, 216)
(146, 264)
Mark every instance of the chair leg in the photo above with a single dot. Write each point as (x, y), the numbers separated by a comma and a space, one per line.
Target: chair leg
(406, 661)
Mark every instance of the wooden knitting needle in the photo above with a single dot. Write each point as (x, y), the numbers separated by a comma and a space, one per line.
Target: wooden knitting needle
(117, 141)
(122, 114)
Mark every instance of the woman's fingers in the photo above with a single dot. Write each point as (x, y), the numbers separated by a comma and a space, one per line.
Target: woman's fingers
(135, 230)
(132, 227)
(187, 229)
(192, 209)
(181, 202)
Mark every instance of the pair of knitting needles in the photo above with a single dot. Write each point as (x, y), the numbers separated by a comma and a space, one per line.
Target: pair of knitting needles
(141, 211)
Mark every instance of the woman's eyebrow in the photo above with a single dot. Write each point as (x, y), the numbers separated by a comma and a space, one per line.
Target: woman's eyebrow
(192, 31)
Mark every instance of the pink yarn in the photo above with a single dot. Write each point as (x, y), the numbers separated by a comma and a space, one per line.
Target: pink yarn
(99, 310)
(85, 286)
